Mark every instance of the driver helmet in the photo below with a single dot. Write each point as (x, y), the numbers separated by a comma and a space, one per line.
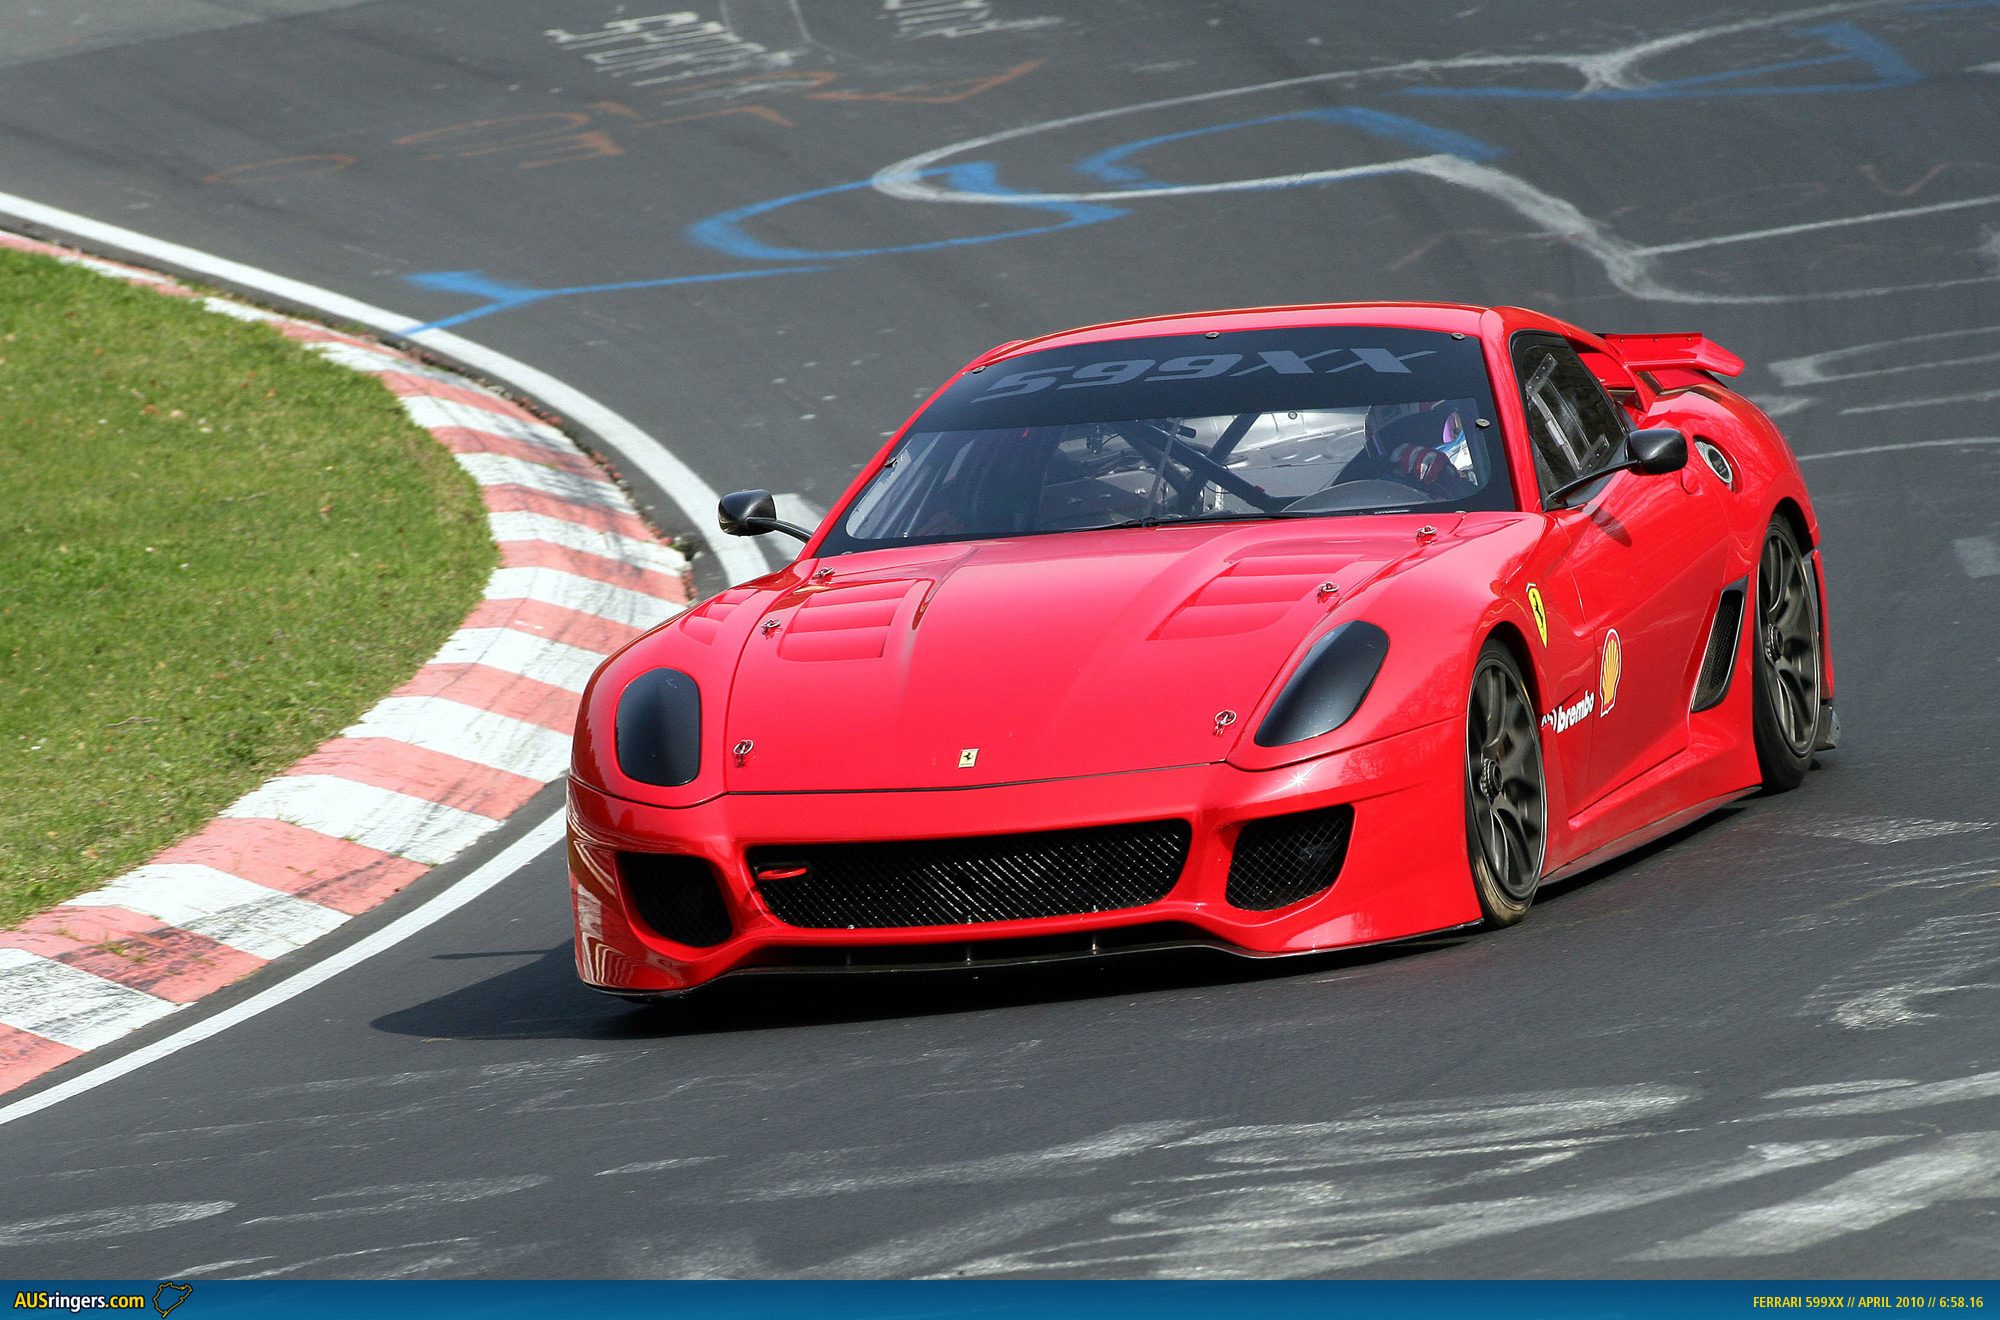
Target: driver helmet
(1438, 424)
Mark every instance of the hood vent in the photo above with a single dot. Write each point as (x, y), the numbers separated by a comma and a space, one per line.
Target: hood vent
(845, 623)
(704, 623)
(1252, 592)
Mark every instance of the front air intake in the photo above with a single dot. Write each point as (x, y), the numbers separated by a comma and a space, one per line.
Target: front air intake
(678, 898)
(1718, 662)
(962, 882)
(1281, 860)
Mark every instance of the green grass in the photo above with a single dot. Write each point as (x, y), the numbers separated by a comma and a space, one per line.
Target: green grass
(216, 550)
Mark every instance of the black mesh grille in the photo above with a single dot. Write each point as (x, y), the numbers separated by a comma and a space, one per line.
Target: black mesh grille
(1282, 859)
(1720, 659)
(677, 897)
(958, 882)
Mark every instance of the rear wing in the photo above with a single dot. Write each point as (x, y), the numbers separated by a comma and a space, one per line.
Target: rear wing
(1682, 352)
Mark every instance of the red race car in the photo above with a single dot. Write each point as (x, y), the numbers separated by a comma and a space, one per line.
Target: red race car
(1272, 630)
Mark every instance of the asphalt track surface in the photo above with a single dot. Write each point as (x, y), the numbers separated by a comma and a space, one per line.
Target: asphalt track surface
(1763, 1048)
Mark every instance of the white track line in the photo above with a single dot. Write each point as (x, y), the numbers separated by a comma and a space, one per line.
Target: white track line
(1810, 226)
(696, 500)
(1902, 445)
(544, 835)
(1609, 69)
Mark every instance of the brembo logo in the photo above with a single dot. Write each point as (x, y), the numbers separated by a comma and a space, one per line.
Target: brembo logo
(1562, 717)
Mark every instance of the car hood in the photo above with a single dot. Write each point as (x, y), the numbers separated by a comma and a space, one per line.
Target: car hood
(1006, 661)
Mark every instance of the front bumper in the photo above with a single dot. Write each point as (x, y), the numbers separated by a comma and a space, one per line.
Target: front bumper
(1404, 873)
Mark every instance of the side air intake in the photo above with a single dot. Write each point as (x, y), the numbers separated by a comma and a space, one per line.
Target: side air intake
(1281, 860)
(1718, 662)
(677, 897)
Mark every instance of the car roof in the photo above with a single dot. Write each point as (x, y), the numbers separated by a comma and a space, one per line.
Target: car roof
(1462, 318)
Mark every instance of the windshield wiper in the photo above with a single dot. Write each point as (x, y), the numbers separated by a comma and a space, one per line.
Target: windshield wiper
(1153, 520)
(1272, 516)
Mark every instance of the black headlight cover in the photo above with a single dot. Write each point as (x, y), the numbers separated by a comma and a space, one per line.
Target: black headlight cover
(1326, 689)
(659, 728)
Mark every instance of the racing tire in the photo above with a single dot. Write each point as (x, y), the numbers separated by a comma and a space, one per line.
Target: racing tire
(1506, 791)
(1786, 669)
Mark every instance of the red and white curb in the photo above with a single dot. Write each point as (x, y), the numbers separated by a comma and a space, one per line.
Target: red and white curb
(430, 769)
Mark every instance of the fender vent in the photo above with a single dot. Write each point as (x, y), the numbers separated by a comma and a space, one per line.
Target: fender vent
(1718, 662)
(1281, 860)
(676, 897)
(1717, 461)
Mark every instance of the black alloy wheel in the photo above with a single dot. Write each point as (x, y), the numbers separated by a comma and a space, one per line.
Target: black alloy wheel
(1506, 795)
(1786, 697)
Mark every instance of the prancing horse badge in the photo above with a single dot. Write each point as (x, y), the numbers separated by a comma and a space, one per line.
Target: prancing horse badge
(967, 757)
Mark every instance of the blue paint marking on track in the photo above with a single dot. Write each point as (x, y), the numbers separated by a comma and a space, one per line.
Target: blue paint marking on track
(1886, 63)
(1110, 165)
(1941, 5)
(725, 232)
(505, 297)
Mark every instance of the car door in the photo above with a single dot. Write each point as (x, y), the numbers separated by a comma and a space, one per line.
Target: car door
(1644, 554)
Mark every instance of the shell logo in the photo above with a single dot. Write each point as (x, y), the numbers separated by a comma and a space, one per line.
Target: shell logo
(1610, 668)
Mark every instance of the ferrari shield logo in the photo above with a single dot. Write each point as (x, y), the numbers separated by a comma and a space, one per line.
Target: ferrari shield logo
(1541, 615)
(968, 757)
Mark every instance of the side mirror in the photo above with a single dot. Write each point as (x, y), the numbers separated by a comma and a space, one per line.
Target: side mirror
(747, 512)
(1658, 449)
(1654, 450)
(755, 512)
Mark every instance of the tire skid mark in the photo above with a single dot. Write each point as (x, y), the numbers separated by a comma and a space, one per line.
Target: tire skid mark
(1318, 1227)
(1380, 1185)
(402, 1198)
(1881, 829)
(1961, 1167)
(108, 1221)
(1942, 956)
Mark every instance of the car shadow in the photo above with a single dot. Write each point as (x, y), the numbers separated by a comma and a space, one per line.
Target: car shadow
(541, 999)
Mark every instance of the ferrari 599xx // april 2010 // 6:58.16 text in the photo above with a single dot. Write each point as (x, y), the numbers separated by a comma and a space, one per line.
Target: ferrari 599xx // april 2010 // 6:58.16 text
(1270, 630)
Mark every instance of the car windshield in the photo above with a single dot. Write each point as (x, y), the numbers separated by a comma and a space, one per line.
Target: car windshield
(1306, 422)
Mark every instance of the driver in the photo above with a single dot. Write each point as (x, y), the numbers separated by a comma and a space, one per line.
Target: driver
(1418, 444)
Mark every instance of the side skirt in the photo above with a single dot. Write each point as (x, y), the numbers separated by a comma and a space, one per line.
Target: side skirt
(1645, 834)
